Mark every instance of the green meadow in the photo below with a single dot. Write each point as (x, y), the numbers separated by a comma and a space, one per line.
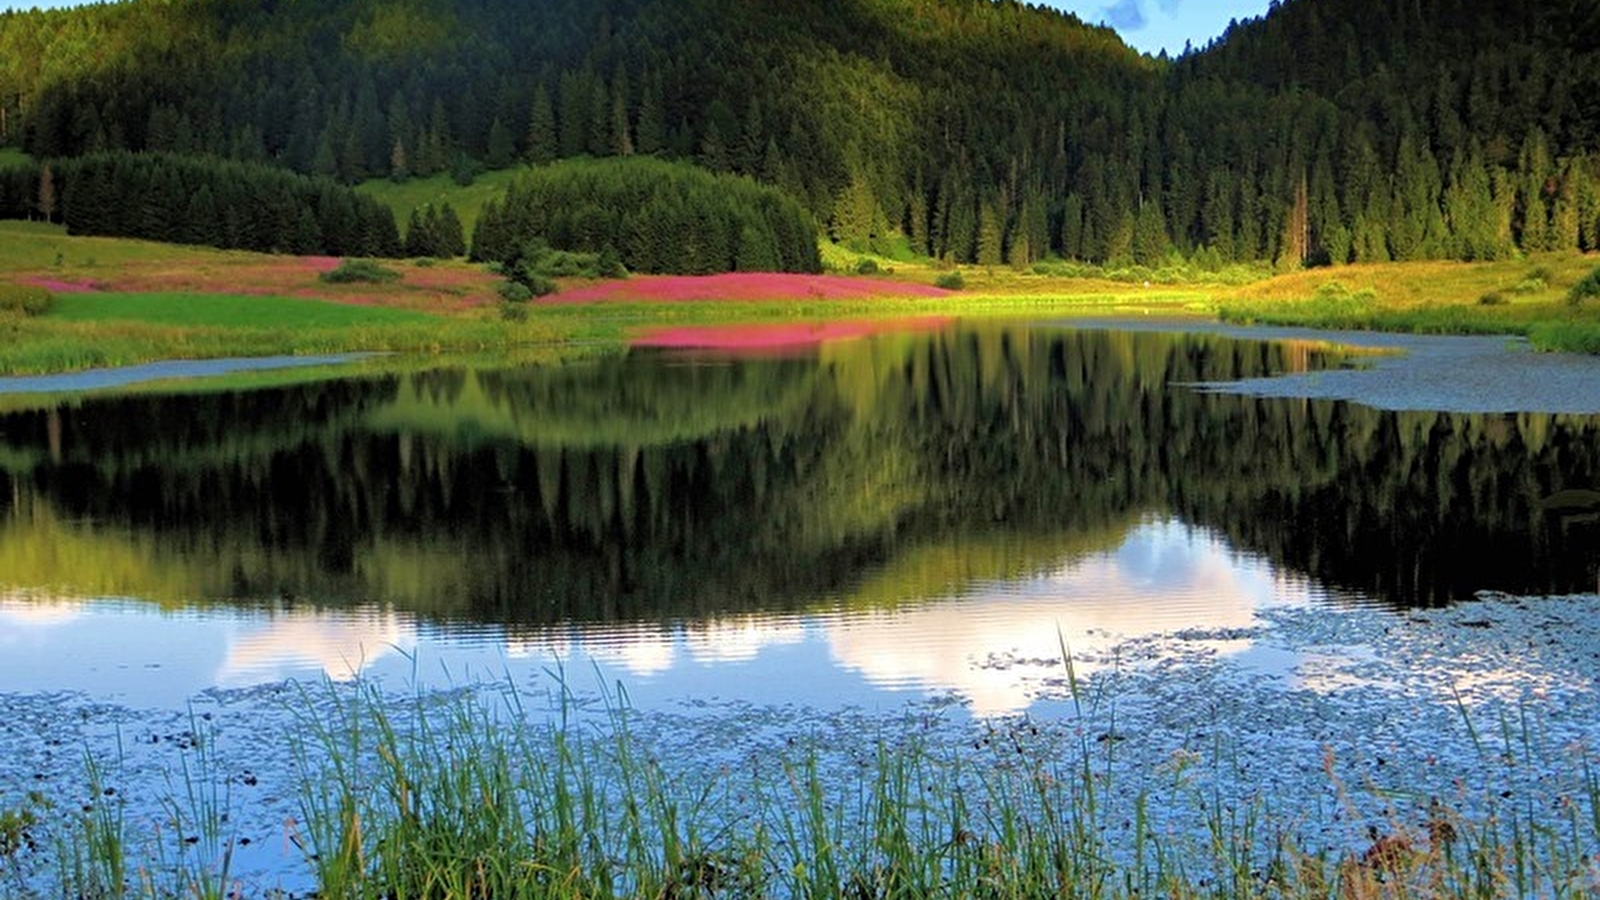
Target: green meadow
(225, 311)
(243, 308)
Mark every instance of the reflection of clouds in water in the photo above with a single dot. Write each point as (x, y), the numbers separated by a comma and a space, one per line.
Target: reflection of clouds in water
(995, 645)
(648, 649)
(992, 646)
(642, 650)
(740, 639)
(340, 644)
(989, 646)
(26, 610)
(552, 644)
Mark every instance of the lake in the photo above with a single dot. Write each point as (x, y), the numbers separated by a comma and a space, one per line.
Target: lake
(821, 539)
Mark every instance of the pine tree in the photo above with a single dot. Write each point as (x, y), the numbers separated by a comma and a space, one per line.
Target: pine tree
(714, 149)
(1150, 241)
(1416, 225)
(501, 150)
(856, 214)
(576, 95)
(201, 223)
(450, 240)
(399, 167)
(1536, 178)
(1217, 215)
(1565, 226)
(652, 128)
(1588, 208)
(991, 236)
(621, 128)
(602, 140)
(1072, 228)
(1470, 213)
(540, 144)
(419, 233)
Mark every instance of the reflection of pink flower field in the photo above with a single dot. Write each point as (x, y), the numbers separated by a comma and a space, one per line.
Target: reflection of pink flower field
(779, 337)
(742, 286)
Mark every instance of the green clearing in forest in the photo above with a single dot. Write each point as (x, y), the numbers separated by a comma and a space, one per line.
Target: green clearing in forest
(402, 197)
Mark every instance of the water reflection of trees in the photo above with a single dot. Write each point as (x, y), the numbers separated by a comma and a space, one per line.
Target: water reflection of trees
(641, 487)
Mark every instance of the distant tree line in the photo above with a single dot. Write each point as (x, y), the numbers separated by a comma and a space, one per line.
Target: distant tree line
(194, 200)
(655, 216)
(984, 131)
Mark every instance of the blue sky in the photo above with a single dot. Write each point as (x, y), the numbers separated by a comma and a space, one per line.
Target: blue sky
(1148, 25)
(1154, 25)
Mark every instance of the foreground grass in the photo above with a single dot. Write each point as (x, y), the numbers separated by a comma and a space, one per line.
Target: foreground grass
(452, 796)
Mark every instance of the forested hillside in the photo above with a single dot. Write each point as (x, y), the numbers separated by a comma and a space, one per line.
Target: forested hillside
(977, 130)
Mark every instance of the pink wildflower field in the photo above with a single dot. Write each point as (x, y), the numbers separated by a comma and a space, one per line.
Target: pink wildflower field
(433, 289)
(61, 286)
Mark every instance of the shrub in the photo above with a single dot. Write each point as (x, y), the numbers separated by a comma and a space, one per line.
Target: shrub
(867, 267)
(1493, 298)
(537, 265)
(1332, 290)
(425, 262)
(950, 281)
(1530, 285)
(540, 286)
(25, 299)
(360, 270)
(1586, 289)
(514, 292)
(514, 312)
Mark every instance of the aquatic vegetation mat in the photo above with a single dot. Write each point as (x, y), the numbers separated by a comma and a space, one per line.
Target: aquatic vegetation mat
(1351, 752)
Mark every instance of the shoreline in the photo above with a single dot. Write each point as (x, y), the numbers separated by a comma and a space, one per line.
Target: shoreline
(1321, 752)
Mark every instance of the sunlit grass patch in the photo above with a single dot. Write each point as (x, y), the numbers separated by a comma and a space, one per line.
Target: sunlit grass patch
(1516, 297)
(35, 246)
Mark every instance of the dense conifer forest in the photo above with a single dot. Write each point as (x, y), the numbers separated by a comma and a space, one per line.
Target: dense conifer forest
(983, 131)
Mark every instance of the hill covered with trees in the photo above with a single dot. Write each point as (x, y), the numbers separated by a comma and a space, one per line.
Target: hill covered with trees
(977, 130)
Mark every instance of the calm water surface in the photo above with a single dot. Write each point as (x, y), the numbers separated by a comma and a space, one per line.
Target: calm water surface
(897, 517)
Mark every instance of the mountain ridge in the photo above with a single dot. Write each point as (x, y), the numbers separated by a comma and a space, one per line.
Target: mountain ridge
(973, 130)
